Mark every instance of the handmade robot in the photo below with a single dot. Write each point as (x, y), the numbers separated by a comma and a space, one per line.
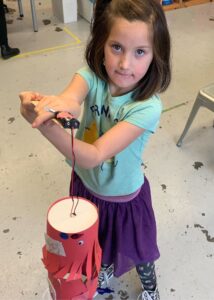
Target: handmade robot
(72, 255)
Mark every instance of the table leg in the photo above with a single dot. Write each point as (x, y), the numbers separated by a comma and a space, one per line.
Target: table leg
(34, 17)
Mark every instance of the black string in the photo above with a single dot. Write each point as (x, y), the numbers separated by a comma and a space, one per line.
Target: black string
(73, 213)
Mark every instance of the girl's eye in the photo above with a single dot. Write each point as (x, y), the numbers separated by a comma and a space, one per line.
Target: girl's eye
(81, 243)
(140, 52)
(116, 48)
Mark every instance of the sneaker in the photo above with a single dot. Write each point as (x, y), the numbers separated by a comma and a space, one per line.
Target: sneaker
(105, 274)
(149, 295)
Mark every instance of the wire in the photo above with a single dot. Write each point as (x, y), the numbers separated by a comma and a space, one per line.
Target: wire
(73, 208)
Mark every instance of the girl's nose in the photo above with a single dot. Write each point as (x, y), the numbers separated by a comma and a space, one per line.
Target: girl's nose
(124, 62)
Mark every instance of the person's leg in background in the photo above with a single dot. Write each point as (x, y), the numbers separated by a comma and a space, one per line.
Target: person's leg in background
(6, 50)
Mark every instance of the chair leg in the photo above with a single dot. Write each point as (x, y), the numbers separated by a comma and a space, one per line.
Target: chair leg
(194, 111)
(34, 17)
(33, 12)
(20, 8)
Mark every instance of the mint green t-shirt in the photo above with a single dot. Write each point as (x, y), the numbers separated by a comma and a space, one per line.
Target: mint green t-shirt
(122, 174)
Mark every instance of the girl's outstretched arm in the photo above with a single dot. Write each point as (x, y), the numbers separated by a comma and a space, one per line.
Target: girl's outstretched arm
(87, 155)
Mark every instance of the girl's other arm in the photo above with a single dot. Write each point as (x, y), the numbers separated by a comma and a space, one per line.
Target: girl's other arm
(91, 155)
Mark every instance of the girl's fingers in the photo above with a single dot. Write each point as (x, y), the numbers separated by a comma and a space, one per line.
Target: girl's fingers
(27, 97)
(46, 100)
(42, 118)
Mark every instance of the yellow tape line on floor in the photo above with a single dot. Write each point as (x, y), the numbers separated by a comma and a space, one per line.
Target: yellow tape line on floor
(76, 42)
(174, 107)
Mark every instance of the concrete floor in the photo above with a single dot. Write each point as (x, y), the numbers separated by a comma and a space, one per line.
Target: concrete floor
(33, 174)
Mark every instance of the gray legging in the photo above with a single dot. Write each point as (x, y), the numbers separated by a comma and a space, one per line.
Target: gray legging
(146, 272)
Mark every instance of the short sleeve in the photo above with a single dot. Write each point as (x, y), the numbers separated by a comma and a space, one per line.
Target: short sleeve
(88, 75)
(144, 114)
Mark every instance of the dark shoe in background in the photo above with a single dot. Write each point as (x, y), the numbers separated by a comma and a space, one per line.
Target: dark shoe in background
(8, 52)
(6, 9)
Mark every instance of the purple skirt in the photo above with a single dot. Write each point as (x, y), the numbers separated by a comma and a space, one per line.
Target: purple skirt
(127, 230)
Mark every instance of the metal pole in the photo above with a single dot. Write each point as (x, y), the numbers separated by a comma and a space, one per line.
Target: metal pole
(34, 17)
(20, 8)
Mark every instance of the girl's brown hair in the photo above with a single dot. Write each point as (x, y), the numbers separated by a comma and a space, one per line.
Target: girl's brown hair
(158, 76)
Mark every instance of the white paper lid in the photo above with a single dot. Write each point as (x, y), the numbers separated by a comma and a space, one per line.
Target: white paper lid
(60, 218)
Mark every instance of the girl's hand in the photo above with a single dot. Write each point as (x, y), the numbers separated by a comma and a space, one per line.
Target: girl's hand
(47, 106)
(27, 106)
(35, 107)
(29, 102)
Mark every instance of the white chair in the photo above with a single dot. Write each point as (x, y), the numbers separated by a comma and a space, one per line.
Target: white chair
(205, 98)
(33, 12)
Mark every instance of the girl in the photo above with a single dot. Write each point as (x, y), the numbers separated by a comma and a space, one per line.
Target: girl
(128, 64)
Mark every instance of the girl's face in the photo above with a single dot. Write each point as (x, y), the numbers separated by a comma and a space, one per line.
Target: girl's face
(128, 54)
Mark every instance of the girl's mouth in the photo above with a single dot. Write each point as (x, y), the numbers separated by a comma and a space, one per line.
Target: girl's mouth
(123, 74)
